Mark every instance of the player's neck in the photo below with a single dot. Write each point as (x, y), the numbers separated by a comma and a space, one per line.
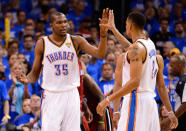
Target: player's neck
(58, 37)
(137, 35)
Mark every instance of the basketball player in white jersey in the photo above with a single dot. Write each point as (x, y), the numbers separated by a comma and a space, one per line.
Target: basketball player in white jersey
(56, 54)
(136, 75)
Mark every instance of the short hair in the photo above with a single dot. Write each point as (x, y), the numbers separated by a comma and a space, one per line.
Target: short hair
(53, 14)
(12, 42)
(105, 65)
(177, 23)
(138, 19)
(164, 19)
(26, 36)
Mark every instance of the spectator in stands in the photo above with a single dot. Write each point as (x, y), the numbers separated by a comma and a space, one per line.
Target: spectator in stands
(20, 24)
(106, 82)
(111, 59)
(40, 25)
(177, 67)
(137, 5)
(4, 103)
(11, 60)
(85, 58)
(84, 27)
(177, 13)
(30, 120)
(2, 71)
(161, 36)
(71, 27)
(179, 38)
(28, 50)
(18, 91)
(110, 45)
(168, 45)
(78, 12)
(150, 20)
(21, 58)
(94, 33)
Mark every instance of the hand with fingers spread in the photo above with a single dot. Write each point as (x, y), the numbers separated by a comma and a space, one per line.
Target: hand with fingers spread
(103, 21)
(110, 24)
(101, 106)
(23, 79)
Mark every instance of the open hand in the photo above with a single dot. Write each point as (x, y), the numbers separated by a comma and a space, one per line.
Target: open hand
(110, 22)
(103, 21)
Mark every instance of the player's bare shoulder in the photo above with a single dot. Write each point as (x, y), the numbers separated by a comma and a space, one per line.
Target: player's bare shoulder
(136, 51)
(40, 46)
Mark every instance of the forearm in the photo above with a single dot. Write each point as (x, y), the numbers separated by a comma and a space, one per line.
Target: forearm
(117, 101)
(6, 107)
(102, 46)
(32, 77)
(180, 110)
(26, 92)
(127, 88)
(121, 39)
(164, 97)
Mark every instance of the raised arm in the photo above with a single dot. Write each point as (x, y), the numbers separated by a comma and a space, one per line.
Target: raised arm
(101, 50)
(34, 74)
(111, 26)
(163, 91)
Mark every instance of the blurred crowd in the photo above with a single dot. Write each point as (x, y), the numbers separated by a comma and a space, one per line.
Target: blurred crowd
(28, 20)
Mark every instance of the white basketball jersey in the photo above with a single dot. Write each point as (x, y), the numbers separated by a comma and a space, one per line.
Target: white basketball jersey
(149, 71)
(60, 65)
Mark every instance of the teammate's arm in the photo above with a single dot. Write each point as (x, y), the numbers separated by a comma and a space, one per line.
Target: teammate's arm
(117, 86)
(34, 74)
(101, 50)
(111, 26)
(136, 55)
(163, 91)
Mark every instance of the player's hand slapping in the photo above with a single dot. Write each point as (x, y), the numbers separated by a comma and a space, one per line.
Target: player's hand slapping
(110, 24)
(103, 21)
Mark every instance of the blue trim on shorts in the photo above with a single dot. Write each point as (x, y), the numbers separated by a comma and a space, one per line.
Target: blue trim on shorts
(132, 111)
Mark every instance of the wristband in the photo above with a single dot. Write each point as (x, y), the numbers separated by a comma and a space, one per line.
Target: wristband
(117, 112)
(101, 122)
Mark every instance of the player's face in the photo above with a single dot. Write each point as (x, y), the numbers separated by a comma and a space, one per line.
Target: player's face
(60, 25)
(128, 26)
(173, 68)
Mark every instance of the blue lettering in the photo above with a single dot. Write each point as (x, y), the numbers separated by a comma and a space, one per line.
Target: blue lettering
(64, 55)
(72, 57)
(49, 59)
(56, 56)
(60, 55)
(52, 57)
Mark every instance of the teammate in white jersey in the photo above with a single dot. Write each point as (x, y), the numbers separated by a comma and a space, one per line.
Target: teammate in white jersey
(57, 55)
(136, 75)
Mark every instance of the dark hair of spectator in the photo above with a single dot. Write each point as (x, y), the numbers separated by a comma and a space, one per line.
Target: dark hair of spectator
(29, 67)
(164, 19)
(19, 11)
(105, 65)
(53, 14)
(13, 42)
(177, 23)
(26, 36)
(138, 19)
